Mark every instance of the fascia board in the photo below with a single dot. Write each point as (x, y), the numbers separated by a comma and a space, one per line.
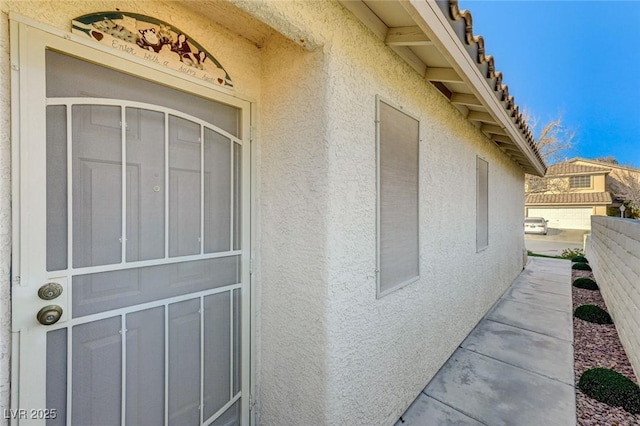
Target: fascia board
(431, 19)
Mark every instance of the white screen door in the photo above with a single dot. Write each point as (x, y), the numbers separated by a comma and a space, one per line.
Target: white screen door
(133, 201)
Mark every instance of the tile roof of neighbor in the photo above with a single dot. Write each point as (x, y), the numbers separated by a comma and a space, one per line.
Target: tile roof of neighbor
(567, 168)
(604, 164)
(570, 198)
(494, 78)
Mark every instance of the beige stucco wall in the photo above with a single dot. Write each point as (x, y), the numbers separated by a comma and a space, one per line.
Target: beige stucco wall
(293, 238)
(599, 183)
(379, 353)
(613, 250)
(5, 215)
(328, 351)
(600, 210)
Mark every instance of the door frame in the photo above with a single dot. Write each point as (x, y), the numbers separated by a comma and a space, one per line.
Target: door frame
(23, 32)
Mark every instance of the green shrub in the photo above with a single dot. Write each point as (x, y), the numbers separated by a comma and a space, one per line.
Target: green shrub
(581, 266)
(612, 388)
(570, 253)
(586, 283)
(593, 313)
(579, 258)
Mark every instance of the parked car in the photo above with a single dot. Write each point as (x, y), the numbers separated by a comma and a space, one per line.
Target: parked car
(535, 225)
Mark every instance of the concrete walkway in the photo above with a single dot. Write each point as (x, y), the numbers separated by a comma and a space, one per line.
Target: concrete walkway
(516, 366)
(555, 241)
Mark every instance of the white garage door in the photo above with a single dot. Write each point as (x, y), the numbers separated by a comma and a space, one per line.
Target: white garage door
(565, 218)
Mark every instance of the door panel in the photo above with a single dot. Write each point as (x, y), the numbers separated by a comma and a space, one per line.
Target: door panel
(184, 189)
(184, 368)
(236, 317)
(97, 371)
(97, 185)
(145, 367)
(238, 195)
(57, 375)
(145, 184)
(56, 187)
(131, 206)
(217, 345)
(217, 192)
(104, 291)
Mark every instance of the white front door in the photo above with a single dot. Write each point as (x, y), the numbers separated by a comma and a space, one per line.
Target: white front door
(131, 227)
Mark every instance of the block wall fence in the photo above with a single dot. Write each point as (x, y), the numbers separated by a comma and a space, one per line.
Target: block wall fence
(613, 250)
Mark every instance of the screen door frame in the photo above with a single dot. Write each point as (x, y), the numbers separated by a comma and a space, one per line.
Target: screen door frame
(29, 40)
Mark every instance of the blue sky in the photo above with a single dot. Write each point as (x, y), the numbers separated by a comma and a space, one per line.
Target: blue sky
(578, 59)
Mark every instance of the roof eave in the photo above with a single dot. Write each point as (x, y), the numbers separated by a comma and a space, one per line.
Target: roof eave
(422, 35)
(568, 174)
(432, 20)
(594, 203)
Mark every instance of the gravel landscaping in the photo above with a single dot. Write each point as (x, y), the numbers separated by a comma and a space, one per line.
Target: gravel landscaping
(597, 345)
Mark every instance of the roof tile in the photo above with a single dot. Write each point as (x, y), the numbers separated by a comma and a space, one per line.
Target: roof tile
(567, 168)
(493, 77)
(570, 198)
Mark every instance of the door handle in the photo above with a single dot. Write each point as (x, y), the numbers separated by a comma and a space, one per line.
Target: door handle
(50, 314)
(49, 291)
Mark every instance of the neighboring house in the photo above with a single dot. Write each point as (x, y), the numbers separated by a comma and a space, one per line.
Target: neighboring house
(622, 182)
(574, 192)
(243, 211)
(576, 189)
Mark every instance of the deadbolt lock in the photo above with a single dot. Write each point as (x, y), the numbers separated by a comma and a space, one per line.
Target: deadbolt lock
(49, 291)
(49, 314)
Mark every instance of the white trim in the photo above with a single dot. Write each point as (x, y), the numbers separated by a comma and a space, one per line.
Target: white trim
(231, 188)
(231, 360)
(71, 44)
(15, 154)
(72, 322)
(202, 171)
(166, 363)
(167, 189)
(249, 299)
(141, 105)
(69, 116)
(123, 196)
(201, 312)
(247, 307)
(123, 367)
(221, 411)
(142, 263)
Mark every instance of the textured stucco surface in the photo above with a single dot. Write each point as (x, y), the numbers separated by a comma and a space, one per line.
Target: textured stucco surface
(379, 352)
(613, 251)
(294, 264)
(328, 351)
(5, 214)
